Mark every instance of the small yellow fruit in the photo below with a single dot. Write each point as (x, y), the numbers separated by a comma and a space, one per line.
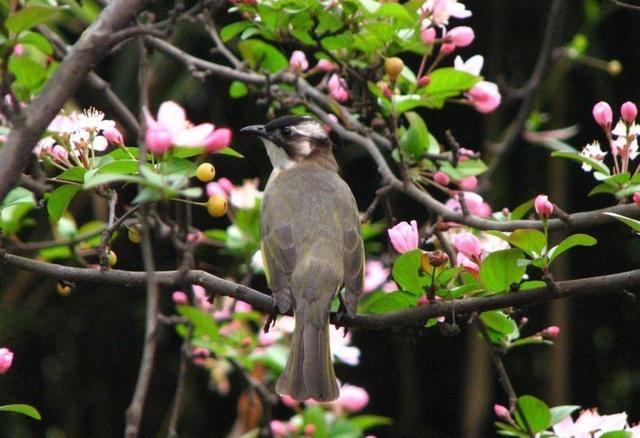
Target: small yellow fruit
(113, 258)
(217, 206)
(614, 67)
(206, 172)
(393, 67)
(63, 289)
(134, 235)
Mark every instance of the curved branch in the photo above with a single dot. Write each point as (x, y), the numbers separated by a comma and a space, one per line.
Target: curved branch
(412, 317)
(29, 125)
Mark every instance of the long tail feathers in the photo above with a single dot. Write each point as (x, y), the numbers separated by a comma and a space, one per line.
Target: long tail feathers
(309, 370)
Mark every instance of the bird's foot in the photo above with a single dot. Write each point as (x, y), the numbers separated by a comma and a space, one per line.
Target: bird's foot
(271, 319)
(342, 316)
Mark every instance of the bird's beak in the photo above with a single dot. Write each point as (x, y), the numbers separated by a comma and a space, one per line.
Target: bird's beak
(257, 130)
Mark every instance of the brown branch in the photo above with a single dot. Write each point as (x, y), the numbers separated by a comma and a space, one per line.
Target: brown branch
(413, 317)
(624, 5)
(29, 125)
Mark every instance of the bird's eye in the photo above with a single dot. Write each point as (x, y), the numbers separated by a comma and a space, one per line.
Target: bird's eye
(286, 131)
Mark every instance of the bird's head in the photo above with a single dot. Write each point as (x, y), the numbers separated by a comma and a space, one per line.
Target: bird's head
(295, 140)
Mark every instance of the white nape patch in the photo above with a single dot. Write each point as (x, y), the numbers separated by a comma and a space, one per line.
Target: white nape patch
(278, 157)
(311, 129)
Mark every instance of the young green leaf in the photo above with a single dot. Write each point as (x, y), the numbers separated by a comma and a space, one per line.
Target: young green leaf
(383, 302)
(501, 269)
(570, 242)
(535, 412)
(59, 199)
(530, 241)
(633, 223)
(598, 166)
(28, 17)
(558, 413)
(415, 141)
(406, 272)
(27, 410)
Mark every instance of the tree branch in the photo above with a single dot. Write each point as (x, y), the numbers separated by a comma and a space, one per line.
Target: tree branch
(413, 317)
(29, 125)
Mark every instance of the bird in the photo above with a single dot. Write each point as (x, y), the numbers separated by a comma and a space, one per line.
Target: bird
(311, 246)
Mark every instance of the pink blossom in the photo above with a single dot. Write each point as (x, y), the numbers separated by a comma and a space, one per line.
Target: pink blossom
(242, 307)
(219, 139)
(424, 81)
(441, 10)
(353, 398)
(551, 331)
(428, 35)
(6, 358)
(326, 65)
(636, 198)
(602, 114)
(278, 428)
(543, 206)
(589, 423)
(113, 135)
(59, 154)
(375, 274)
(341, 348)
(629, 111)
(390, 286)
(461, 36)
(289, 401)
(18, 50)
(298, 61)
(173, 128)
(469, 245)
(441, 178)
(268, 338)
(337, 88)
(200, 297)
(475, 204)
(404, 237)
(484, 96)
(468, 183)
(468, 264)
(501, 412)
(179, 297)
(472, 65)
(309, 429)
(221, 187)
(195, 237)
(245, 196)
(447, 48)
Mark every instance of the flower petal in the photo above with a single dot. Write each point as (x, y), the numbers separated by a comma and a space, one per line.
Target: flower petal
(195, 136)
(172, 117)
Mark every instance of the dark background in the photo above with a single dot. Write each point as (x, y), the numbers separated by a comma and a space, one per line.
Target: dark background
(77, 357)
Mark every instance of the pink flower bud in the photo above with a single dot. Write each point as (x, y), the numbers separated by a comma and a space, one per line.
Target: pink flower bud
(636, 198)
(278, 428)
(113, 135)
(629, 111)
(404, 236)
(18, 50)
(428, 35)
(461, 36)
(334, 82)
(6, 358)
(218, 139)
(468, 244)
(340, 94)
(158, 140)
(501, 412)
(424, 81)
(447, 48)
(59, 153)
(309, 429)
(602, 114)
(468, 183)
(484, 96)
(289, 401)
(326, 65)
(298, 61)
(353, 398)
(551, 331)
(386, 91)
(543, 206)
(179, 297)
(441, 178)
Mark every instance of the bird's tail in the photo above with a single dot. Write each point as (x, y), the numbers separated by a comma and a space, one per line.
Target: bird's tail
(309, 370)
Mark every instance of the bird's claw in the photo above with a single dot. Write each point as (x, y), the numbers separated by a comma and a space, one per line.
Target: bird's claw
(271, 319)
(341, 316)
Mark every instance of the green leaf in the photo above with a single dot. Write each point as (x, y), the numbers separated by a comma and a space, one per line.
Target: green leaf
(582, 159)
(238, 89)
(415, 141)
(29, 17)
(203, 323)
(58, 200)
(259, 54)
(498, 322)
(533, 242)
(617, 434)
(124, 167)
(18, 195)
(36, 40)
(570, 242)
(383, 302)
(633, 223)
(500, 269)
(521, 210)
(535, 412)
(558, 413)
(337, 42)
(230, 152)
(365, 422)
(532, 284)
(233, 29)
(73, 174)
(315, 415)
(28, 72)
(407, 102)
(27, 410)
(445, 83)
(96, 179)
(406, 272)
(603, 188)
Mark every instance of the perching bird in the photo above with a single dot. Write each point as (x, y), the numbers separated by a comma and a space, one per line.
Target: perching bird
(311, 246)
